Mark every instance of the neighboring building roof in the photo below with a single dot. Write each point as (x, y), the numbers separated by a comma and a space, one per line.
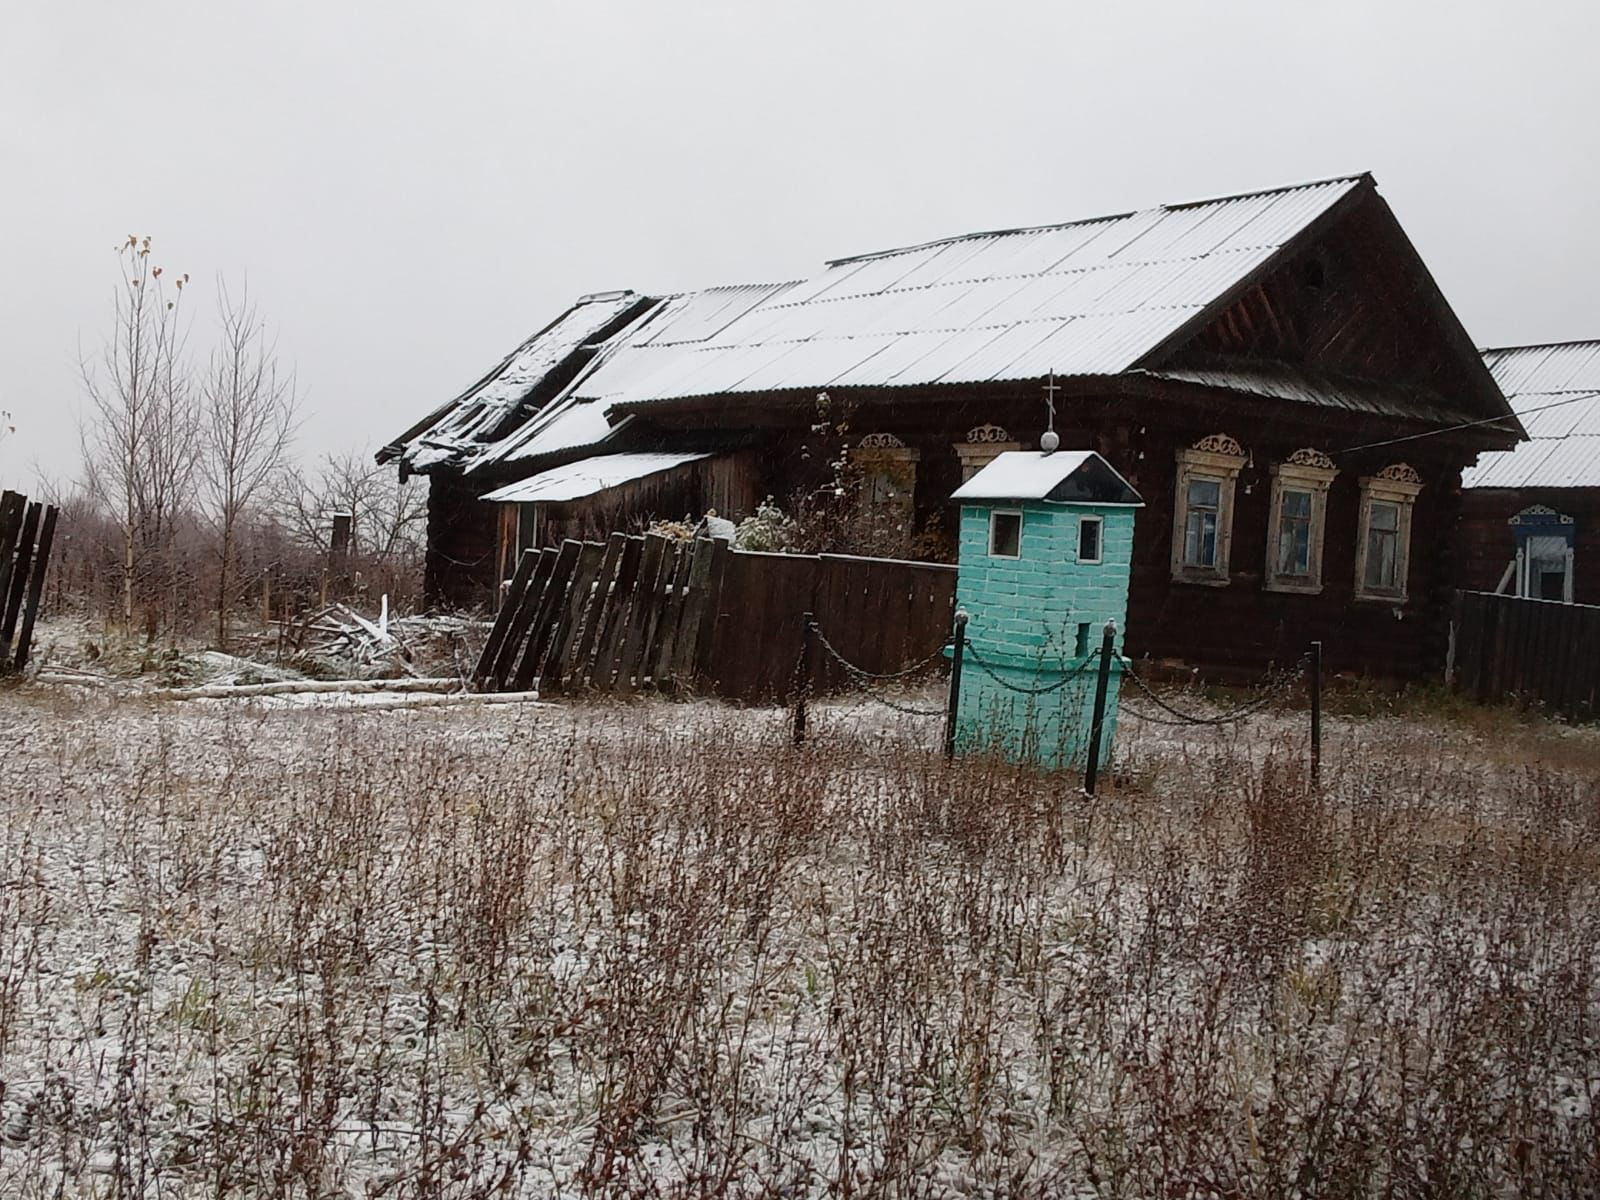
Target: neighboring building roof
(1086, 298)
(1068, 476)
(574, 481)
(1555, 390)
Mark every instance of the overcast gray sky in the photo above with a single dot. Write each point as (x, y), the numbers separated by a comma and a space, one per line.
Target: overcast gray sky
(413, 188)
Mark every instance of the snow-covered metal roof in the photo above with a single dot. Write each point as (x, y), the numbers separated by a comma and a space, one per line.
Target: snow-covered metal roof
(1087, 298)
(1555, 390)
(1079, 476)
(574, 481)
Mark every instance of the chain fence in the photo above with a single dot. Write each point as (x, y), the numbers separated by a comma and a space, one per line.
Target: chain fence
(1272, 689)
(868, 678)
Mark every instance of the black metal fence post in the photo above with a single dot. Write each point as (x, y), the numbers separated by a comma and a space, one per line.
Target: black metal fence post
(1316, 713)
(953, 702)
(802, 677)
(1091, 770)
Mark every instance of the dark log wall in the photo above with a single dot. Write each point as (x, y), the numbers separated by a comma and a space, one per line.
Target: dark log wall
(1241, 628)
(1487, 545)
(463, 538)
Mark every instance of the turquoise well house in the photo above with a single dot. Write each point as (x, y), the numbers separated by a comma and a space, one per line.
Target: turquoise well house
(1045, 545)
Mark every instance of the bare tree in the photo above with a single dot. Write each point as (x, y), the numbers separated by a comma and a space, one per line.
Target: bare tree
(385, 514)
(247, 422)
(140, 435)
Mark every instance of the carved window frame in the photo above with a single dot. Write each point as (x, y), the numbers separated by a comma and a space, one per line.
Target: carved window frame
(887, 473)
(984, 444)
(1303, 471)
(1397, 485)
(1220, 459)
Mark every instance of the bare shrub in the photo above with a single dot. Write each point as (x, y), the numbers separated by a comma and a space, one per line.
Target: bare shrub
(659, 951)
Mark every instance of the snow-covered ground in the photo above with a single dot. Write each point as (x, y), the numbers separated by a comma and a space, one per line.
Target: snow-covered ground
(279, 948)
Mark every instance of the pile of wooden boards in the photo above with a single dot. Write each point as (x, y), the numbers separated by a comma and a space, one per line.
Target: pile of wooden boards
(26, 531)
(370, 647)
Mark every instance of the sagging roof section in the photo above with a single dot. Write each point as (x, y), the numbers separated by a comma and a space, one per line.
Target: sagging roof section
(1555, 391)
(1088, 298)
(461, 428)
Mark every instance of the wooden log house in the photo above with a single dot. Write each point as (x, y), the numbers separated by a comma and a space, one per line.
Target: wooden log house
(1276, 373)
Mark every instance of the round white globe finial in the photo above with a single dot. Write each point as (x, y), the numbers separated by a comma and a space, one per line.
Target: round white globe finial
(1049, 441)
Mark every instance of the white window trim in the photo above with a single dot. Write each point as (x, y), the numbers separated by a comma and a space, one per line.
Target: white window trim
(1005, 512)
(1299, 477)
(1099, 540)
(1224, 466)
(1398, 485)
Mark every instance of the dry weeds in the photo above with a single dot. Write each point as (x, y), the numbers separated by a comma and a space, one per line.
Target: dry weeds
(657, 951)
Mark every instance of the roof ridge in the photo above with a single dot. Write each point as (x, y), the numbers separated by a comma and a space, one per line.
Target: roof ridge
(1096, 220)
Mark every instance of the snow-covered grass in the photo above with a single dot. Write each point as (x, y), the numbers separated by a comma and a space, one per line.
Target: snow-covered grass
(654, 949)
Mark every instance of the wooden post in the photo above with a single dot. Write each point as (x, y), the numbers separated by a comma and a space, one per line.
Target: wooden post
(958, 641)
(19, 575)
(1315, 682)
(1091, 771)
(802, 677)
(30, 604)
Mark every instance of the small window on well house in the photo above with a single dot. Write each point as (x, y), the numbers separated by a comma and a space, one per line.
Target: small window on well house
(1089, 533)
(1202, 528)
(1383, 545)
(1299, 515)
(1005, 534)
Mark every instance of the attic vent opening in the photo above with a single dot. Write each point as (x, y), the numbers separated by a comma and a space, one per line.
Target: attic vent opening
(1313, 274)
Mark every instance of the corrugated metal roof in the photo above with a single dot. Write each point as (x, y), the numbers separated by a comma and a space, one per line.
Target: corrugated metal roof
(1086, 298)
(575, 480)
(1555, 390)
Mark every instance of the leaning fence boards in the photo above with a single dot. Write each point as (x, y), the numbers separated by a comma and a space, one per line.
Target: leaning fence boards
(1511, 646)
(643, 612)
(26, 533)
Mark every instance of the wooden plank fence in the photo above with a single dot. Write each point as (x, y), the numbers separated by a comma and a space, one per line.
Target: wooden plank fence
(1511, 646)
(651, 612)
(27, 529)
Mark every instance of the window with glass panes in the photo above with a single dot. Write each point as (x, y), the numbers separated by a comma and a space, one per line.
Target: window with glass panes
(1299, 512)
(1383, 546)
(1204, 507)
(1202, 512)
(1294, 533)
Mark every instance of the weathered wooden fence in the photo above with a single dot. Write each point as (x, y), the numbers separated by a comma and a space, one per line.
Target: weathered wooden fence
(638, 612)
(26, 531)
(1505, 646)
